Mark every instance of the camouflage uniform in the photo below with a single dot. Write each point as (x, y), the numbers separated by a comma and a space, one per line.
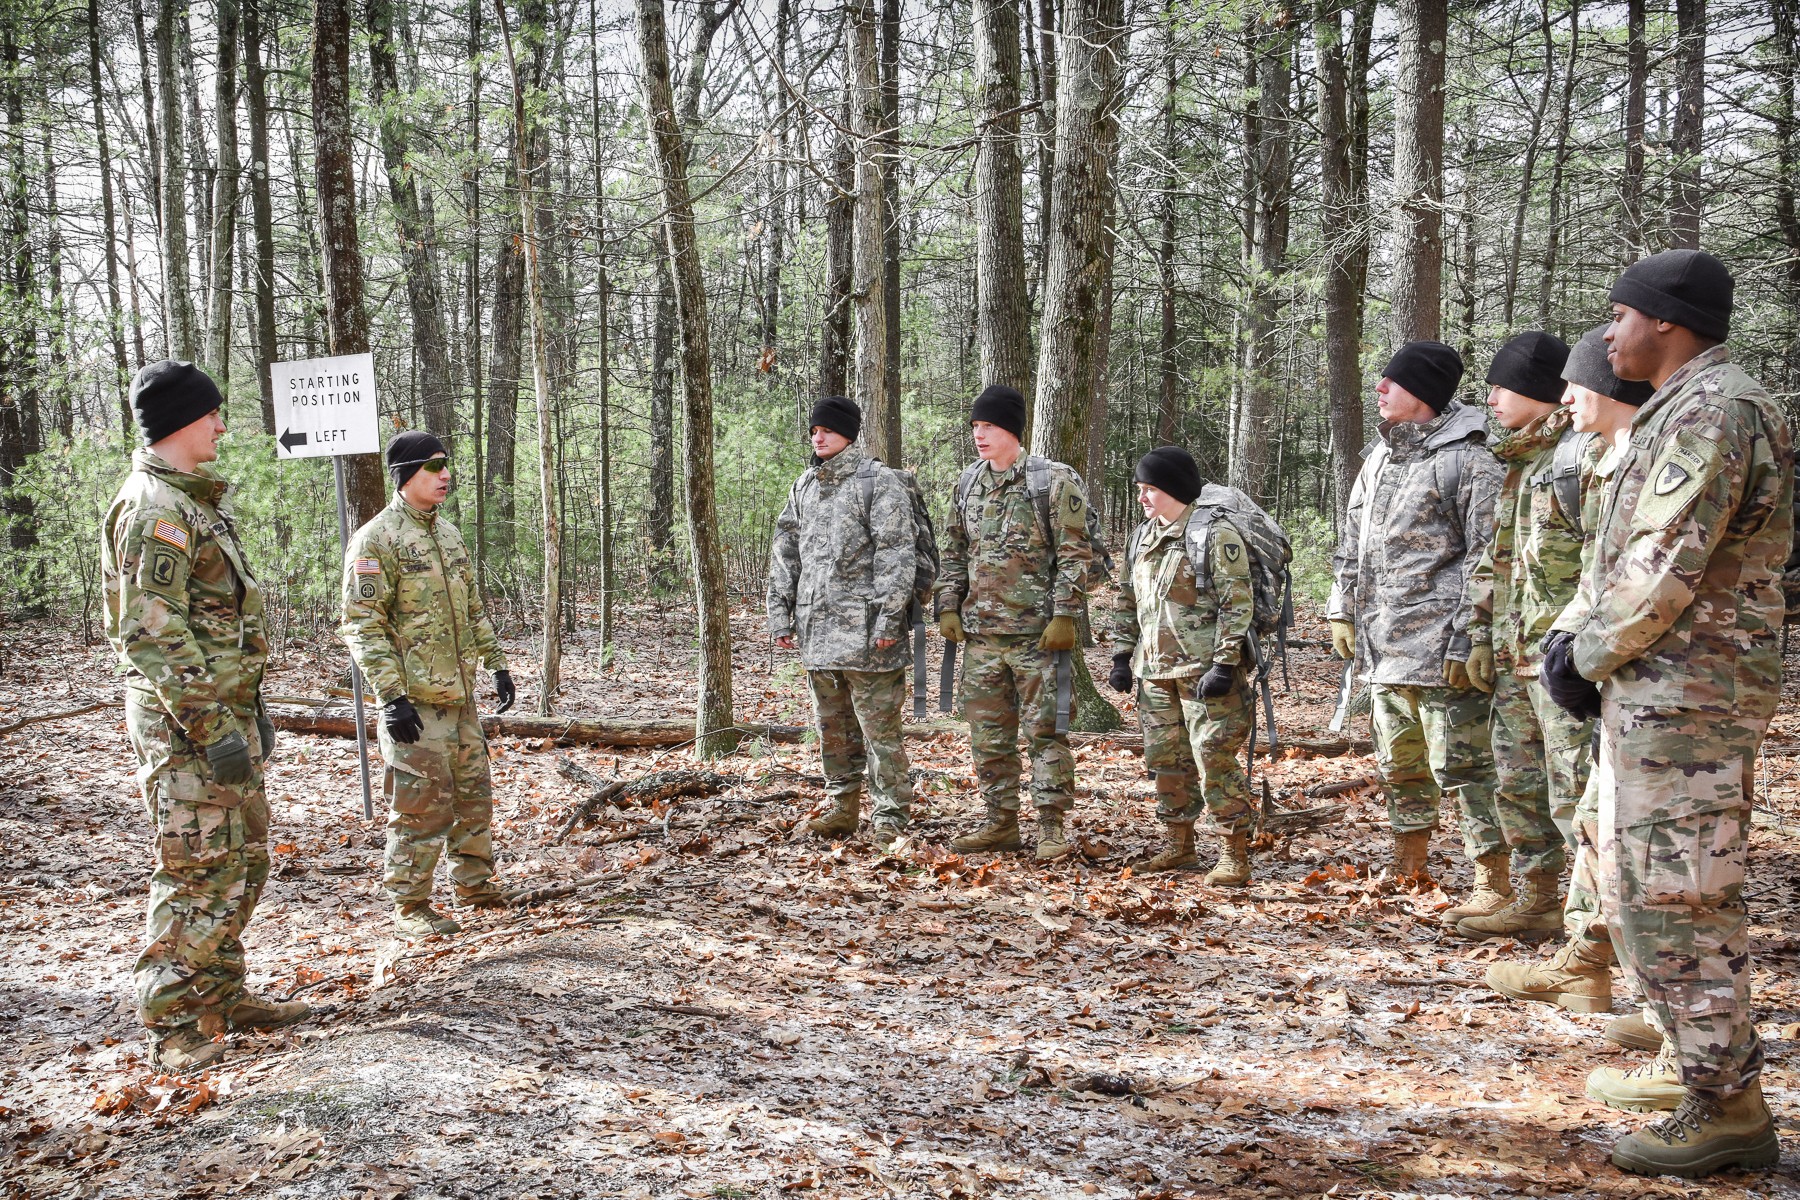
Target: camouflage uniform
(1677, 619)
(841, 576)
(1408, 547)
(1006, 576)
(1175, 629)
(1523, 580)
(186, 617)
(414, 621)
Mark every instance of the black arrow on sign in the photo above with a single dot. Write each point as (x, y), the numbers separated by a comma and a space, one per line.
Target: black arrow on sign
(290, 440)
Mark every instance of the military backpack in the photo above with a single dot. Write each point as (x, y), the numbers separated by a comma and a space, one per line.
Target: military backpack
(925, 547)
(1037, 489)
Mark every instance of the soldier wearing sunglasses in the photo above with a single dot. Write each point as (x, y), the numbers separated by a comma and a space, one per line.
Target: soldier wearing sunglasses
(414, 622)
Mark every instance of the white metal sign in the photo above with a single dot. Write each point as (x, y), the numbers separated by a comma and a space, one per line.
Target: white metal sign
(325, 406)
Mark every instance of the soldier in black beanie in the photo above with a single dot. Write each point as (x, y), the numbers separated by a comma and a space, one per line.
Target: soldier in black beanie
(839, 415)
(170, 395)
(407, 452)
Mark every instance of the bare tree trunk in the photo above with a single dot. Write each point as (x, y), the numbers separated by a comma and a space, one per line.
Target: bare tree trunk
(1343, 209)
(1688, 199)
(62, 412)
(21, 430)
(870, 303)
(662, 423)
(1168, 409)
(1419, 168)
(714, 720)
(262, 205)
(1787, 156)
(178, 301)
(550, 660)
(1637, 77)
(1558, 161)
(115, 315)
(1046, 156)
(1002, 304)
(225, 195)
(418, 241)
(889, 149)
(775, 212)
(840, 258)
(605, 351)
(334, 149)
(1515, 259)
(131, 281)
(200, 173)
(472, 286)
(505, 354)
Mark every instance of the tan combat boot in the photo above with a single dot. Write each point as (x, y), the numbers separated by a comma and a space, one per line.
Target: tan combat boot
(258, 1012)
(1707, 1133)
(885, 834)
(1534, 914)
(417, 921)
(1653, 1086)
(1052, 843)
(485, 896)
(1000, 834)
(839, 821)
(1177, 852)
(1492, 891)
(1410, 852)
(1233, 869)
(1567, 981)
(1634, 1032)
(185, 1049)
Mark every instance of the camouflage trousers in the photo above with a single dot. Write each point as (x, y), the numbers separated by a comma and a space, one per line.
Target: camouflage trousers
(440, 798)
(858, 718)
(1008, 682)
(1541, 762)
(1193, 743)
(1584, 910)
(1430, 742)
(1675, 792)
(211, 852)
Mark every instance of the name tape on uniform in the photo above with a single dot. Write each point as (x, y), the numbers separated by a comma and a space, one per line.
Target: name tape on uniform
(325, 406)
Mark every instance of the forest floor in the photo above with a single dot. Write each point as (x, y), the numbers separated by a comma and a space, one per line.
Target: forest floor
(729, 1010)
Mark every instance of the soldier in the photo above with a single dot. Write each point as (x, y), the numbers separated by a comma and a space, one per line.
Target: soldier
(186, 617)
(1579, 976)
(414, 622)
(1672, 639)
(1520, 584)
(1013, 581)
(1183, 636)
(1418, 518)
(841, 579)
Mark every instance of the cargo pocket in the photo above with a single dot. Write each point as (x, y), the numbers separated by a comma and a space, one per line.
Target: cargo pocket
(418, 779)
(1682, 914)
(193, 831)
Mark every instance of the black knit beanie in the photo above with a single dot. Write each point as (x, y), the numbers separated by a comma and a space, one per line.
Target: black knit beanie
(1000, 405)
(170, 395)
(1588, 368)
(1531, 364)
(1689, 288)
(838, 415)
(408, 451)
(1173, 470)
(1429, 370)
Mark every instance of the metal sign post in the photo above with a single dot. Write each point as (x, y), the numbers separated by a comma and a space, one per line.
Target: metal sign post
(326, 407)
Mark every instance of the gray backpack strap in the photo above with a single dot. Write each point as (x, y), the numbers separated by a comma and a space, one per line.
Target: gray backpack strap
(1565, 475)
(1037, 486)
(865, 479)
(1454, 472)
(964, 482)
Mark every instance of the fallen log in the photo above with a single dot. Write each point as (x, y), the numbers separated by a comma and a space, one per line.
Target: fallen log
(652, 789)
(1323, 791)
(573, 731)
(58, 716)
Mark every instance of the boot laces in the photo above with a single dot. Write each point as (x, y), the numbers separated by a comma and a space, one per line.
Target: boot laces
(1696, 1109)
(1662, 1064)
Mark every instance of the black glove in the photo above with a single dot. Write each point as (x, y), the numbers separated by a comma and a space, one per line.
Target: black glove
(265, 732)
(402, 720)
(229, 759)
(503, 685)
(1577, 696)
(1217, 681)
(1119, 679)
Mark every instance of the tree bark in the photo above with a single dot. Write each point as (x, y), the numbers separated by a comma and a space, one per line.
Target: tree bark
(1002, 304)
(115, 312)
(178, 302)
(505, 366)
(840, 256)
(225, 196)
(1168, 408)
(668, 151)
(1787, 157)
(1515, 259)
(21, 431)
(662, 421)
(889, 149)
(869, 299)
(1558, 161)
(1343, 209)
(262, 205)
(1419, 168)
(603, 300)
(1637, 80)
(1686, 198)
(334, 149)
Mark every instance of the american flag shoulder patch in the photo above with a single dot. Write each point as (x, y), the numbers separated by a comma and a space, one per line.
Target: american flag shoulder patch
(367, 566)
(171, 533)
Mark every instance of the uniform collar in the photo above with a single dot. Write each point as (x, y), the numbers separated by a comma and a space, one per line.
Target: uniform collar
(1718, 356)
(202, 485)
(1542, 433)
(997, 478)
(1161, 530)
(427, 519)
(841, 465)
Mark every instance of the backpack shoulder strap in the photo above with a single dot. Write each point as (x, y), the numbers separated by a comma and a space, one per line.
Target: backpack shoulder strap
(964, 482)
(1037, 486)
(1565, 474)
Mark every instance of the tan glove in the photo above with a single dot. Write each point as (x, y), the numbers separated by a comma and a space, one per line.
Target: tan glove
(950, 625)
(1343, 640)
(1456, 674)
(1059, 634)
(1481, 667)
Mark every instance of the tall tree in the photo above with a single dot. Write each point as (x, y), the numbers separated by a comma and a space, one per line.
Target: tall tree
(1528, 171)
(868, 295)
(1168, 407)
(21, 429)
(115, 315)
(1559, 159)
(225, 194)
(668, 153)
(1637, 82)
(181, 331)
(1786, 121)
(840, 254)
(1419, 167)
(1002, 303)
(1686, 198)
(262, 206)
(889, 150)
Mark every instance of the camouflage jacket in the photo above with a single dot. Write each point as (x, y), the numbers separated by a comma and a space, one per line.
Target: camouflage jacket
(1002, 570)
(413, 616)
(182, 608)
(1409, 543)
(841, 569)
(1172, 624)
(1532, 564)
(1681, 601)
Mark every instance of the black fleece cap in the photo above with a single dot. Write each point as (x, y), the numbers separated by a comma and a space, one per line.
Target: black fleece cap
(838, 415)
(1000, 405)
(1689, 288)
(170, 395)
(407, 451)
(1429, 370)
(1587, 367)
(1531, 364)
(1173, 470)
